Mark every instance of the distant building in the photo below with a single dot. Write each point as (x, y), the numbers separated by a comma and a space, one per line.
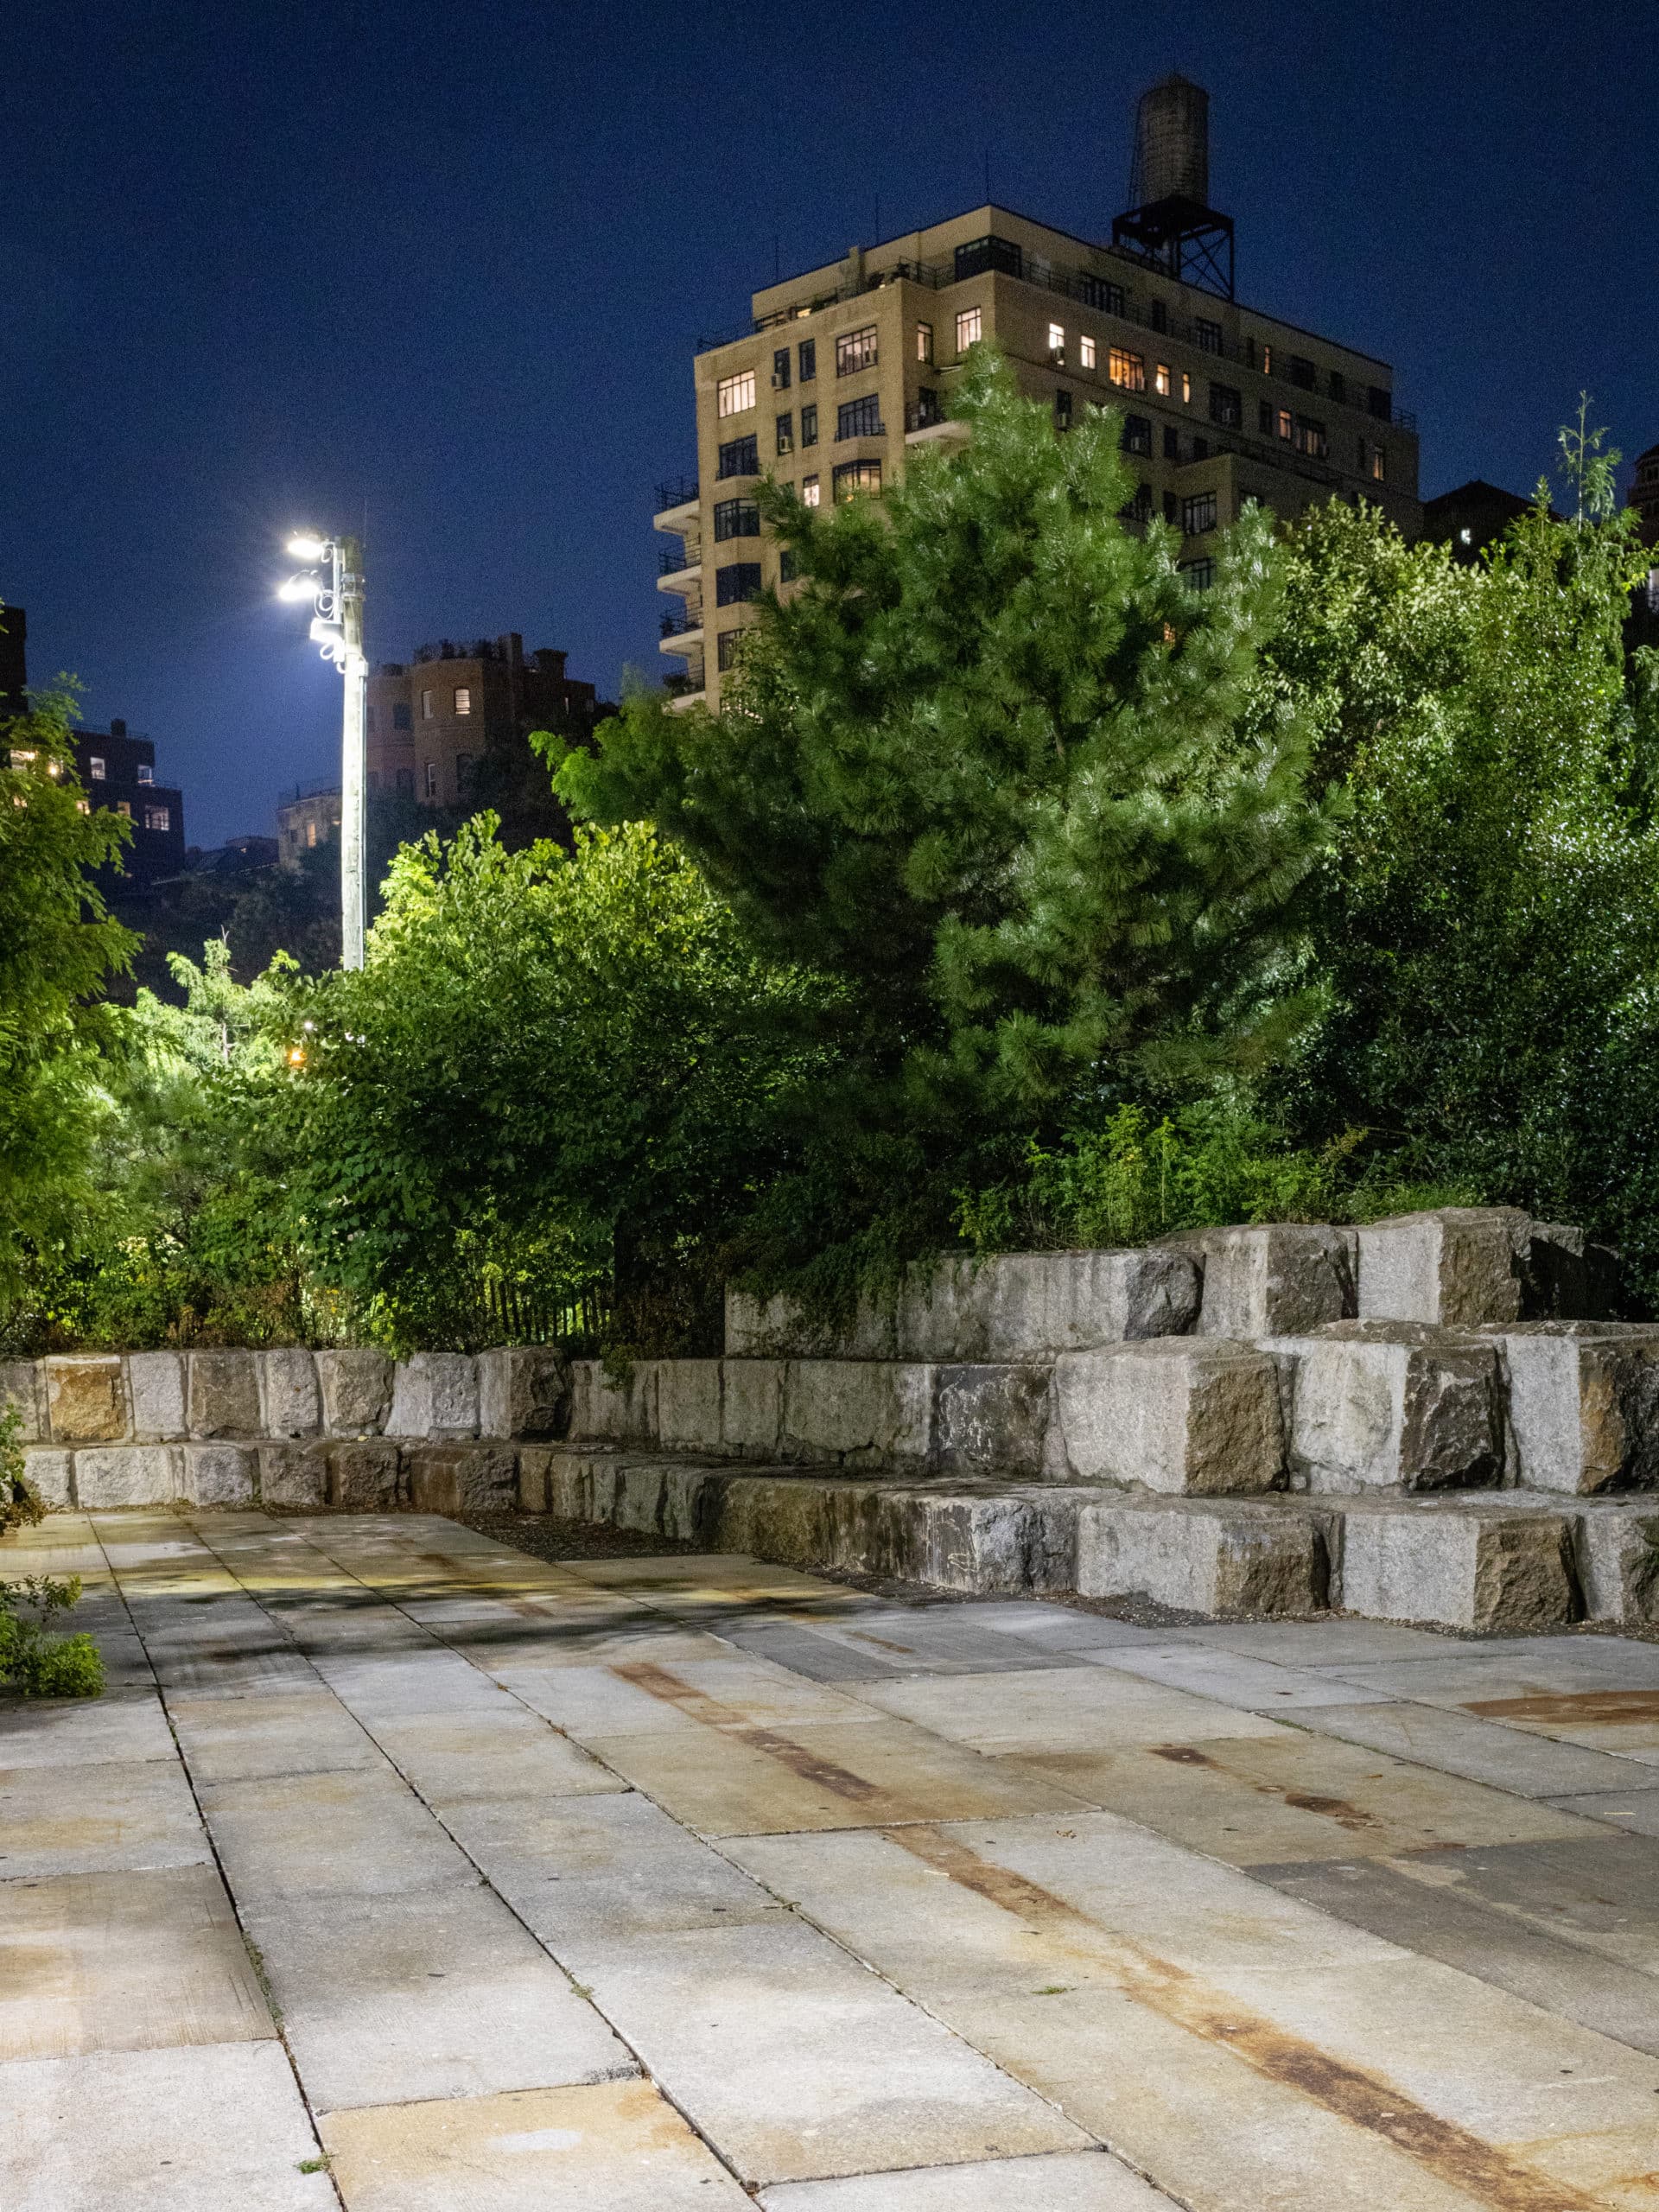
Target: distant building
(14, 662)
(1644, 494)
(118, 771)
(307, 817)
(435, 722)
(1476, 514)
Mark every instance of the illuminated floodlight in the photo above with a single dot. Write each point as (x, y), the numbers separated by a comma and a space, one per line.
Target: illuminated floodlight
(326, 633)
(304, 548)
(297, 587)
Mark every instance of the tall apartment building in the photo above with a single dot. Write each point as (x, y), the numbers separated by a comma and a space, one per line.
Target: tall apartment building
(847, 368)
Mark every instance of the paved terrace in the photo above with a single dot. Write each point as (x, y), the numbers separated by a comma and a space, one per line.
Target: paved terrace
(401, 1870)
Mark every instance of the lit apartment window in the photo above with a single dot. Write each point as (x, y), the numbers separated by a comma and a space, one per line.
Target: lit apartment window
(1186, 389)
(1126, 369)
(809, 490)
(742, 457)
(1137, 435)
(859, 418)
(736, 518)
(1160, 381)
(1310, 438)
(1208, 335)
(810, 424)
(856, 350)
(1200, 575)
(1226, 406)
(854, 477)
(807, 354)
(1062, 410)
(1284, 423)
(1086, 353)
(1198, 514)
(725, 649)
(463, 699)
(145, 775)
(401, 717)
(924, 341)
(83, 806)
(780, 369)
(426, 706)
(95, 769)
(1379, 465)
(734, 395)
(431, 780)
(122, 807)
(969, 329)
(1056, 345)
(311, 833)
(738, 581)
(786, 433)
(158, 817)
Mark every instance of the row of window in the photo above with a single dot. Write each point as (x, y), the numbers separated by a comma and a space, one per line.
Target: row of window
(462, 705)
(856, 350)
(97, 771)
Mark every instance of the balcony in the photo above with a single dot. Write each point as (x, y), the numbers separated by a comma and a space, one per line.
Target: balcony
(676, 507)
(681, 633)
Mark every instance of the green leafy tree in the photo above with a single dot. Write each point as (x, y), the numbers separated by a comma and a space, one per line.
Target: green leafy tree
(992, 765)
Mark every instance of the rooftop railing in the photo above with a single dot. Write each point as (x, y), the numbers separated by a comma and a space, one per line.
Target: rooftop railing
(676, 490)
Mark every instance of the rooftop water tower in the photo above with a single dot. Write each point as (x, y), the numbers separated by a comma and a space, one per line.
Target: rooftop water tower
(1169, 223)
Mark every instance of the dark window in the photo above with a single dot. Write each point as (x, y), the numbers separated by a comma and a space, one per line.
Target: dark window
(1310, 438)
(856, 350)
(1200, 448)
(927, 410)
(1362, 457)
(738, 581)
(780, 369)
(1303, 372)
(1159, 316)
(810, 424)
(1171, 442)
(1098, 292)
(1062, 410)
(1198, 514)
(402, 719)
(725, 649)
(1339, 387)
(1137, 435)
(980, 254)
(859, 418)
(786, 565)
(852, 477)
(1200, 575)
(1172, 508)
(1381, 403)
(463, 770)
(1139, 509)
(786, 434)
(406, 783)
(740, 458)
(1264, 417)
(1208, 335)
(1226, 406)
(808, 352)
(736, 518)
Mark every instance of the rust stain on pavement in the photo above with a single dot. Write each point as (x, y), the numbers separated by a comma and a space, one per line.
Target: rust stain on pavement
(1580, 1708)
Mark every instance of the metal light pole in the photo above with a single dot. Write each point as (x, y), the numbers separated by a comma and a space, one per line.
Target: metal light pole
(337, 628)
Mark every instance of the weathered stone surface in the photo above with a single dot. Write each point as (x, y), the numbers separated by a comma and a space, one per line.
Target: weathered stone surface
(1266, 1556)
(434, 1393)
(775, 1328)
(1280, 1280)
(365, 1476)
(991, 1419)
(861, 1412)
(219, 1474)
(1565, 1277)
(224, 1394)
(623, 1411)
(1454, 1267)
(687, 1405)
(290, 1403)
(535, 1468)
(293, 1474)
(523, 1390)
(1482, 1566)
(1194, 1415)
(157, 1382)
(356, 1389)
(751, 1407)
(1616, 1550)
(21, 1385)
(1583, 1400)
(86, 1398)
(132, 1474)
(50, 1468)
(1391, 1405)
(460, 1478)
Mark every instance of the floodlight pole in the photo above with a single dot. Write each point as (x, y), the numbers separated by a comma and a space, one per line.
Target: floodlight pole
(354, 670)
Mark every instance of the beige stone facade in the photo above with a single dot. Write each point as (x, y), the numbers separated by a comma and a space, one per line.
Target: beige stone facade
(848, 368)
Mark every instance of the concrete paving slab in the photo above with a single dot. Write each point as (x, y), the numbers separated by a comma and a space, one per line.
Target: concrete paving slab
(1059, 1710)
(396, 1999)
(1481, 1751)
(940, 1643)
(275, 1731)
(1600, 1719)
(335, 1834)
(817, 1658)
(123, 1963)
(751, 1781)
(146, 2131)
(1600, 1893)
(618, 2147)
(587, 1870)
(1076, 2181)
(1635, 1809)
(1231, 1678)
(609, 1641)
(427, 1681)
(455, 1758)
(118, 1816)
(647, 1697)
(1296, 1797)
(856, 2078)
(126, 1725)
(1332, 1641)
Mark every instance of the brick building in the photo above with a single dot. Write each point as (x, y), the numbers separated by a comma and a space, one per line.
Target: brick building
(438, 721)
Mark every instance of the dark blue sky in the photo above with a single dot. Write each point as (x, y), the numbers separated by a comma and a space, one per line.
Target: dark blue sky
(266, 264)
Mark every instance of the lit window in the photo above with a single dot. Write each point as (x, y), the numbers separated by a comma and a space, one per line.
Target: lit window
(1208, 334)
(1200, 575)
(1198, 514)
(809, 490)
(95, 769)
(856, 350)
(431, 780)
(1186, 389)
(1086, 353)
(1310, 438)
(1056, 345)
(853, 478)
(810, 424)
(311, 833)
(1284, 423)
(1379, 465)
(122, 807)
(785, 428)
(1126, 369)
(85, 805)
(158, 817)
(736, 518)
(742, 457)
(924, 341)
(859, 418)
(463, 699)
(1267, 360)
(426, 706)
(969, 329)
(734, 395)
(145, 775)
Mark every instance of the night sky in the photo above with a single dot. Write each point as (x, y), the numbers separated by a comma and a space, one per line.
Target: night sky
(263, 265)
